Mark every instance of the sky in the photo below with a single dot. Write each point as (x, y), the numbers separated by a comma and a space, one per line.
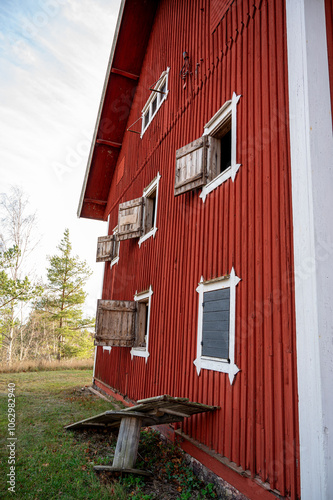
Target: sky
(53, 60)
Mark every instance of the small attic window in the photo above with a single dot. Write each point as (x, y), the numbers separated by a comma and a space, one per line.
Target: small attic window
(158, 95)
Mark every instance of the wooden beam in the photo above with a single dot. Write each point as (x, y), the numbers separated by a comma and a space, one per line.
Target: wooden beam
(97, 202)
(109, 468)
(126, 74)
(111, 144)
(127, 443)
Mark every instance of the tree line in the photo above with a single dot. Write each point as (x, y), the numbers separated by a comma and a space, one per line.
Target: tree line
(39, 320)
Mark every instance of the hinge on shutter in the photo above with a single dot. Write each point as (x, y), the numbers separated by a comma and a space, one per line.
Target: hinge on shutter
(202, 342)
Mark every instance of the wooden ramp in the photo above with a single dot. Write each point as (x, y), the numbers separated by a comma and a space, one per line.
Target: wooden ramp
(152, 411)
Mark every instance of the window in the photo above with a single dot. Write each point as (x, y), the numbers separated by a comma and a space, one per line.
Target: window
(150, 196)
(116, 247)
(210, 160)
(216, 325)
(158, 95)
(122, 323)
(137, 218)
(143, 300)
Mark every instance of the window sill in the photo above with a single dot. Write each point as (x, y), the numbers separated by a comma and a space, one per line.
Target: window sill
(230, 172)
(114, 261)
(150, 234)
(218, 365)
(141, 352)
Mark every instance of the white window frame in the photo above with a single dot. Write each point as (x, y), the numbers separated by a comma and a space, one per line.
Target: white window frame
(210, 363)
(143, 352)
(153, 186)
(115, 260)
(229, 108)
(164, 78)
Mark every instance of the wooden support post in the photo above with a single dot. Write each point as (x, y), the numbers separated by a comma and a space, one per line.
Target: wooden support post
(127, 443)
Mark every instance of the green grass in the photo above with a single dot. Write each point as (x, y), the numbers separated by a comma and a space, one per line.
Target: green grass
(50, 462)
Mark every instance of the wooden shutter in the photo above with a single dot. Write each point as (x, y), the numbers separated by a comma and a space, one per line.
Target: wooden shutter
(105, 248)
(130, 224)
(215, 326)
(213, 158)
(141, 327)
(115, 323)
(191, 166)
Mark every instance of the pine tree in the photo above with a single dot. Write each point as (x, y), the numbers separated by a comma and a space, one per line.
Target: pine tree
(67, 276)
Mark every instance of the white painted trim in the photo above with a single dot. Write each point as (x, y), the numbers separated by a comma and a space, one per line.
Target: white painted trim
(311, 151)
(116, 259)
(164, 78)
(95, 355)
(143, 352)
(107, 348)
(146, 193)
(228, 108)
(216, 364)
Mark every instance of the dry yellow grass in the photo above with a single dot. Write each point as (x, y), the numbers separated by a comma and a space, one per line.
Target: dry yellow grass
(43, 365)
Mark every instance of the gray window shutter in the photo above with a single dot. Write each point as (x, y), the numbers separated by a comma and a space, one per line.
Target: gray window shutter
(130, 223)
(115, 323)
(215, 327)
(105, 248)
(191, 166)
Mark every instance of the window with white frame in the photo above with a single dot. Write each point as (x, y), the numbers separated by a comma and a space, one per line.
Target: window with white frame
(210, 160)
(137, 218)
(142, 342)
(150, 196)
(216, 325)
(158, 95)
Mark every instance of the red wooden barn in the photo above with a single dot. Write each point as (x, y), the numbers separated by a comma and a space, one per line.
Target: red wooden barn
(212, 162)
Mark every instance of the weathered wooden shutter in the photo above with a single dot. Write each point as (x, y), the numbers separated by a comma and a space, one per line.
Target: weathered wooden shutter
(130, 223)
(115, 323)
(191, 166)
(141, 319)
(215, 326)
(105, 248)
(213, 158)
(149, 213)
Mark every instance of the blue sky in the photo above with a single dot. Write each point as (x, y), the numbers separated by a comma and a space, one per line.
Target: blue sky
(53, 59)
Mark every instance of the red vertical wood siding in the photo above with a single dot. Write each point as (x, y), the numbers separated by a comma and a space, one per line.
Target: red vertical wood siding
(245, 224)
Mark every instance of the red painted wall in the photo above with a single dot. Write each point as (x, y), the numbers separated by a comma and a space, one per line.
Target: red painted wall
(329, 33)
(245, 224)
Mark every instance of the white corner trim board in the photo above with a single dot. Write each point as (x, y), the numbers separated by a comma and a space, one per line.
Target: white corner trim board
(216, 364)
(228, 108)
(311, 152)
(143, 352)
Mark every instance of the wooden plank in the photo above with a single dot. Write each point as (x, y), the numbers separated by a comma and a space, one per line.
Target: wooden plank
(109, 468)
(128, 442)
